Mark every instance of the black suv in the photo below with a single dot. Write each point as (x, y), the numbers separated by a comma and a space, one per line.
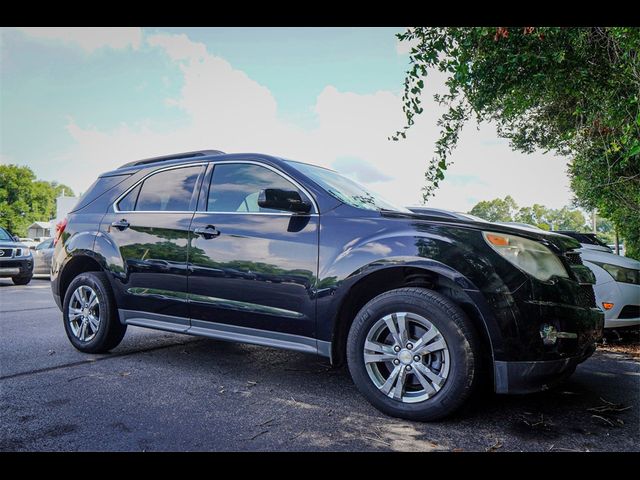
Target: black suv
(16, 260)
(258, 249)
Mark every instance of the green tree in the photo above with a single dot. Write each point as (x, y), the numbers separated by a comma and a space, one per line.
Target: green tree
(496, 210)
(567, 219)
(506, 210)
(24, 200)
(575, 91)
(535, 215)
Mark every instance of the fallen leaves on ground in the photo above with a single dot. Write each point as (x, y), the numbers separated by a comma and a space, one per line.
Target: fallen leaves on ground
(494, 447)
(633, 349)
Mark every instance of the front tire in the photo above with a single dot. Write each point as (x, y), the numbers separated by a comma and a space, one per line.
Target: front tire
(90, 314)
(22, 280)
(414, 354)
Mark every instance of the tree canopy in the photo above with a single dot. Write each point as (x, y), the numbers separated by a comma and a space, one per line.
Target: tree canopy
(507, 210)
(574, 91)
(24, 200)
(496, 210)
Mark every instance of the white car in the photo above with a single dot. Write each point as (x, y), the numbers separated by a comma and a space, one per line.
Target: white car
(617, 285)
(32, 243)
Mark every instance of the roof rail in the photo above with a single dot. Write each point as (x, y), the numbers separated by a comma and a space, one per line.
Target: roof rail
(175, 156)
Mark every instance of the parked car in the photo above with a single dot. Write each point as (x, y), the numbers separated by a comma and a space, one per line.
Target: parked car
(32, 243)
(617, 285)
(16, 260)
(589, 241)
(621, 248)
(417, 306)
(42, 255)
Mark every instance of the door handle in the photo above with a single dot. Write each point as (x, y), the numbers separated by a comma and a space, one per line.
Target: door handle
(207, 232)
(120, 224)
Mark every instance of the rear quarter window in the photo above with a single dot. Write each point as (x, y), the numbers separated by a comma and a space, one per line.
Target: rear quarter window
(101, 186)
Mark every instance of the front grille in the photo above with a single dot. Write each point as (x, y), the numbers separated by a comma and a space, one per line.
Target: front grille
(630, 311)
(573, 258)
(6, 252)
(586, 297)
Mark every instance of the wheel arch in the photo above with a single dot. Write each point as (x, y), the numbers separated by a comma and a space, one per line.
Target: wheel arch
(77, 264)
(445, 281)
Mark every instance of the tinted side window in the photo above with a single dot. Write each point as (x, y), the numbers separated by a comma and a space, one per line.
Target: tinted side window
(128, 202)
(170, 190)
(235, 187)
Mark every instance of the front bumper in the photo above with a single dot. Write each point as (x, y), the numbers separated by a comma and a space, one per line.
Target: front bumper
(530, 377)
(621, 322)
(621, 295)
(17, 267)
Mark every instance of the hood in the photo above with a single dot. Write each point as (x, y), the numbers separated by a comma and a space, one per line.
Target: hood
(9, 244)
(562, 242)
(590, 255)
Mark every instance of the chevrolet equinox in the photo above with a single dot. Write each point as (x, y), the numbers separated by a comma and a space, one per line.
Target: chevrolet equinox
(258, 249)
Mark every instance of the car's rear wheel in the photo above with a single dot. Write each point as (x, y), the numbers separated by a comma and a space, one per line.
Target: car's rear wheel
(90, 314)
(23, 280)
(413, 354)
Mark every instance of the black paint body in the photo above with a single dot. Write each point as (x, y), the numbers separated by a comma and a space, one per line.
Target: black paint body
(298, 274)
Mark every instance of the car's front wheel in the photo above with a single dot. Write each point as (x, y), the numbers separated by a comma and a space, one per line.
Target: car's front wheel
(90, 314)
(413, 354)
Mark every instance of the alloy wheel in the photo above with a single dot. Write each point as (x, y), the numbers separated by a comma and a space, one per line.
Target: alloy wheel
(406, 357)
(84, 313)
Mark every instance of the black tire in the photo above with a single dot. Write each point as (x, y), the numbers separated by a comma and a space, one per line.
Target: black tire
(22, 280)
(463, 343)
(110, 330)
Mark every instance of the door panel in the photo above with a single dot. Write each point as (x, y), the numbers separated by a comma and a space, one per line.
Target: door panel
(251, 266)
(150, 227)
(259, 272)
(154, 250)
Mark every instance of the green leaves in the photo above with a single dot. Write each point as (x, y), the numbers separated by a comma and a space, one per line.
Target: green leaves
(24, 200)
(569, 90)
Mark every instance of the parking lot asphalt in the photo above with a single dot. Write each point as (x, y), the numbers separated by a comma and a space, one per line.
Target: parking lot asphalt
(160, 391)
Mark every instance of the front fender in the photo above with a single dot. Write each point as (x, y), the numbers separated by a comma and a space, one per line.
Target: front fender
(458, 258)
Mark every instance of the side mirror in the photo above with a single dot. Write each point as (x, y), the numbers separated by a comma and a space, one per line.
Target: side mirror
(289, 200)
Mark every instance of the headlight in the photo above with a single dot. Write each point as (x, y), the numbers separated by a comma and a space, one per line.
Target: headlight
(621, 274)
(23, 252)
(530, 256)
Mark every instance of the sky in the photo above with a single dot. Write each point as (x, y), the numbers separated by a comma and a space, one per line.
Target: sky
(76, 102)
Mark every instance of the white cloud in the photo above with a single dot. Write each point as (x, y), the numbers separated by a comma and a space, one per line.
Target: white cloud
(89, 38)
(230, 111)
(178, 47)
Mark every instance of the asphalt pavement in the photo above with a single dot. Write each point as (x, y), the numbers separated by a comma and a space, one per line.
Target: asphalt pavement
(160, 391)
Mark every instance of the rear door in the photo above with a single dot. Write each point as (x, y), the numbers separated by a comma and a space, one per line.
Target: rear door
(149, 225)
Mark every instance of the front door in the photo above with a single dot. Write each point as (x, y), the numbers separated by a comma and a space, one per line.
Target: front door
(151, 230)
(252, 267)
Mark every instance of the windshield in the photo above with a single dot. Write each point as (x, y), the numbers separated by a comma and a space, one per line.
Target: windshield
(4, 235)
(345, 189)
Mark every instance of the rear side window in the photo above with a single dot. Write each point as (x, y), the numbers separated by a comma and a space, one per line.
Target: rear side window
(128, 203)
(166, 191)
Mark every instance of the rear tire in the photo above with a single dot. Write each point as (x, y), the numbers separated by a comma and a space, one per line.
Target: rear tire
(436, 361)
(22, 280)
(90, 314)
